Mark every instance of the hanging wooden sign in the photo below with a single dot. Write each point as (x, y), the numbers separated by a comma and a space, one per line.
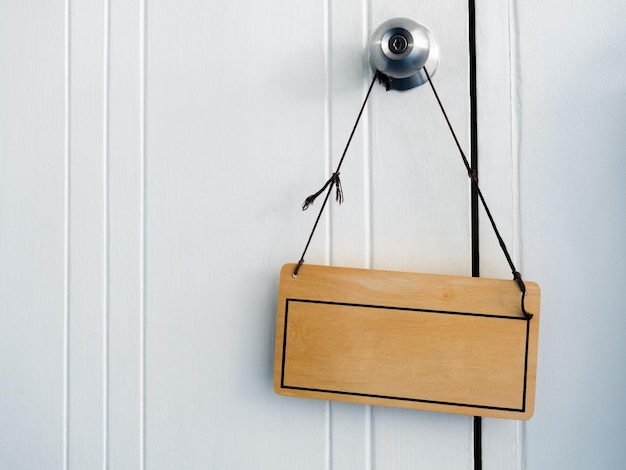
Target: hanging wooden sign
(423, 341)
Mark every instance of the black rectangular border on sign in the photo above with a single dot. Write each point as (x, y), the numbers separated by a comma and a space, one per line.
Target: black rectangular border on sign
(416, 400)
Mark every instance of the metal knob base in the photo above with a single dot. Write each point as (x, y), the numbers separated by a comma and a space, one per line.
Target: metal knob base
(401, 48)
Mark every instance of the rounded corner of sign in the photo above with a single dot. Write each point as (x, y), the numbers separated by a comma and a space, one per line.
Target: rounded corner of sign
(286, 267)
(527, 415)
(278, 385)
(278, 390)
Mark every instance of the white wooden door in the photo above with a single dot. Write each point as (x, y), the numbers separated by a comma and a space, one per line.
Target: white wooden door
(161, 151)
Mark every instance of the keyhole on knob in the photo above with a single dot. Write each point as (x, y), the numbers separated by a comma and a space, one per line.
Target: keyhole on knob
(398, 44)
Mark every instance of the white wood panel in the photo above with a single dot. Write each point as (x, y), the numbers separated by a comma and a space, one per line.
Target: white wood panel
(235, 121)
(88, 277)
(248, 109)
(126, 235)
(421, 214)
(32, 235)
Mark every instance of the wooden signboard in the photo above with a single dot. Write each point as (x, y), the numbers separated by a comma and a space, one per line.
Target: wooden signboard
(430, 342)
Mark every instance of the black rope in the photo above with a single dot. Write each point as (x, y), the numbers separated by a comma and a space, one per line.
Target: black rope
(474, 178)
(334, 179)
(478, 443)
(478, 422)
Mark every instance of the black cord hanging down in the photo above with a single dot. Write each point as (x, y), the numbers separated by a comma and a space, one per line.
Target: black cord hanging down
(474, 178)
(334, 179)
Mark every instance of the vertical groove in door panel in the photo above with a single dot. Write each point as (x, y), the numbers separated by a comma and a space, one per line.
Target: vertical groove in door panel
(368, 150)
(328, 161)
(367, 132)
(66, 230)
(369, 448)
(143, 31)
(366, 30)
(328, 438)
(106, 233)
(514, 79)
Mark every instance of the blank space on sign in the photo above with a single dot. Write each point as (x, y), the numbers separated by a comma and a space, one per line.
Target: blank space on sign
(407, 354)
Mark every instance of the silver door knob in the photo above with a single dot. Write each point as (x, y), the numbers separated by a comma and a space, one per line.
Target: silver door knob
(401, 48)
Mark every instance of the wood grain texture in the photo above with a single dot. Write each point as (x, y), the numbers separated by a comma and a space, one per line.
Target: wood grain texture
(433, 342)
